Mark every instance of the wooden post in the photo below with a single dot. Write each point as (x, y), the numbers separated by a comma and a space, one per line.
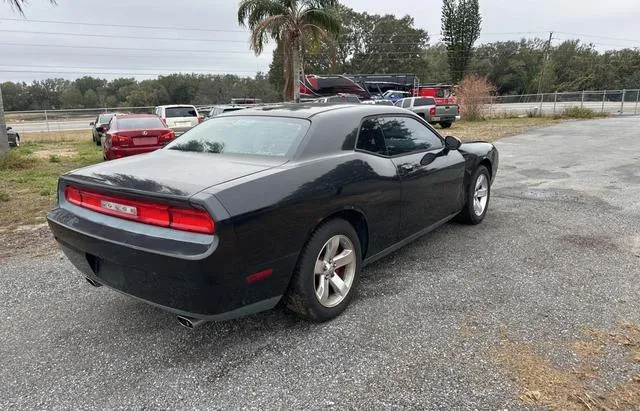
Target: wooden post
(624, 92)
(555, 101)
(604, 97)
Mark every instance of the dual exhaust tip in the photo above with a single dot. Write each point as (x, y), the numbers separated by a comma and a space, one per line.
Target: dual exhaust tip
(187, 322)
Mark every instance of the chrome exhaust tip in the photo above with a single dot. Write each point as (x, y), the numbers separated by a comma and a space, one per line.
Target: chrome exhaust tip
(189, 322)
(93, 282)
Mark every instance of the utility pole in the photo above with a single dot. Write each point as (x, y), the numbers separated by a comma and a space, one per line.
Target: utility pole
(544, 60)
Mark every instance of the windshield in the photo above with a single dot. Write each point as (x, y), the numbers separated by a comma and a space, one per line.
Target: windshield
(104, 118)
(136, 123)
(257, 135)
(181, 112)
(419, 102)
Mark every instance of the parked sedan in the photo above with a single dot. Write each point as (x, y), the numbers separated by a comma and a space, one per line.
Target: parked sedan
(262, 205)
(14, 137)
(133, 134)
(99, 127)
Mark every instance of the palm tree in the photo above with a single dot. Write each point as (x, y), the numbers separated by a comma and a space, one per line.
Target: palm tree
(4, 138)
(290, 23)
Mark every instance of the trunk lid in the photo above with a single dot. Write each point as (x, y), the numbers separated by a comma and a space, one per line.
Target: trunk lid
(447, 110)
(170, 173)
(141, 138)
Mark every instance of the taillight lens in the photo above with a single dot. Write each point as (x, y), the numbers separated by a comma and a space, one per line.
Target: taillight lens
(120, 141)
(432, 111)
(199, 119)
(162, 215)
(167, 137)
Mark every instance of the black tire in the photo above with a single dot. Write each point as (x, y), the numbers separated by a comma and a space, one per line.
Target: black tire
(301, 296)
(446, 124)
(468, 215)
(97, 140)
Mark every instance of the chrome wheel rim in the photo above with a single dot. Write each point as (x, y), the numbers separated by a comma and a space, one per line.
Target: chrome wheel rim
(334, 271)
(481, 195)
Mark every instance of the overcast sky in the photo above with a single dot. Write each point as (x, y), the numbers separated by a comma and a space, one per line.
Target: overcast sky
(203, 35)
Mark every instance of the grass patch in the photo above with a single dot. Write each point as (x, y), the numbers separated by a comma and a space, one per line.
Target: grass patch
(494, 129)
(581, 113)
(57, 136)
(30, 173)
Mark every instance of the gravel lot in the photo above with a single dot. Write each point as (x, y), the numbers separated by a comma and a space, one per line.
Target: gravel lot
(434, 325)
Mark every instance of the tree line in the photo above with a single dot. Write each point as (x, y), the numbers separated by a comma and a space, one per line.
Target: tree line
(367, 43)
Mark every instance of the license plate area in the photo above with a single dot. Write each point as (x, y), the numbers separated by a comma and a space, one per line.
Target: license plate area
(145, 141)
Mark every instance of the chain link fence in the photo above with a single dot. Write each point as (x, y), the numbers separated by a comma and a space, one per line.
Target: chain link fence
(53, 123)
(549, 104)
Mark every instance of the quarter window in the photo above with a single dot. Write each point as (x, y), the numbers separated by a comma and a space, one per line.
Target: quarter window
(404, 135)
(371, 138)
(406, 103)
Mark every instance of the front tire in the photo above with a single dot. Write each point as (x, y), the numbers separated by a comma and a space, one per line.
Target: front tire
(327, 273)
(478, 195)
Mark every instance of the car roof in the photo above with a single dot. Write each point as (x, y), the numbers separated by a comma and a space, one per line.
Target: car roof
(177, 105)
(308, 111)
(136, 115)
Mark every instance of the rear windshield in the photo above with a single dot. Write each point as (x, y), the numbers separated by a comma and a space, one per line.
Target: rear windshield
(257, 135)
(181, 112)
(424, 102)
(136, 123)
(104, 118)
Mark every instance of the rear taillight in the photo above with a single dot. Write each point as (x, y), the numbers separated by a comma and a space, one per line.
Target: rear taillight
(167, 137)
(162, 215)
(199, 119)
(432, 111)
(120, 141)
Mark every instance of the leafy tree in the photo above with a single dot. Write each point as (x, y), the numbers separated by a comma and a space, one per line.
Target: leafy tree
(461, 23)
(290, 23)
(72, 98)
(90, 99)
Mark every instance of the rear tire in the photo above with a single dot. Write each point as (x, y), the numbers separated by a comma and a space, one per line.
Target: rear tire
(446, 124)
(17, 144)
(327, 273)
(478, 195)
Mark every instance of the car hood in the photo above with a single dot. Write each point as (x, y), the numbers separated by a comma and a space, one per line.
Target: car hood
(171, 173)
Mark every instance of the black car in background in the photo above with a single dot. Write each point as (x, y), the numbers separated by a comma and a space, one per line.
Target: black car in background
(268, 204)
(14, 137)
(99, 127)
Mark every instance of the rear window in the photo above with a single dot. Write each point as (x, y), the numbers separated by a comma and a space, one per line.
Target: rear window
(255, 135)
(135, 123)
(180, 112)
(424, 102)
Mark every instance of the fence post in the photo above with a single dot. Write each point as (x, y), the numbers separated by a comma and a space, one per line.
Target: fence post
(622, 101)
(46, 120)
(604, 97)
(635, 111)
(582, 100)
(555, 101)
(541, 100)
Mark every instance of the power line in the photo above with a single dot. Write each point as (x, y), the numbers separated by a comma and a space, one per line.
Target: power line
(597, 37)
(120, 73)
(128, 68)
(75, 23)
(115, 36)
(130, 48)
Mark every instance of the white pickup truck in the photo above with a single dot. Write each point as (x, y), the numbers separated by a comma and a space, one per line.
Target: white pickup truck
(427, 108)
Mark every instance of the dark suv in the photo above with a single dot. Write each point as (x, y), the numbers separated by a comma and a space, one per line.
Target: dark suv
(99, 127)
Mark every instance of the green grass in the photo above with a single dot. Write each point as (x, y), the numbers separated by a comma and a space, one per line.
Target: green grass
(29, 177)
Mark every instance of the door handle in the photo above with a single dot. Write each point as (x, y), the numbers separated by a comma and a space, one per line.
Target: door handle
(406, 167)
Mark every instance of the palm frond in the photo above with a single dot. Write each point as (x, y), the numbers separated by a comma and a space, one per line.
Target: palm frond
(252, 12)
(18, 5)
(271, 26)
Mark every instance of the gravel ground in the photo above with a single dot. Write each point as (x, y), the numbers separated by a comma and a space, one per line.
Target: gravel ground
(558, 252)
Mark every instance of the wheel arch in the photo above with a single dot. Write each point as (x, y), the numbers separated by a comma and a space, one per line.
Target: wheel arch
(356, 218)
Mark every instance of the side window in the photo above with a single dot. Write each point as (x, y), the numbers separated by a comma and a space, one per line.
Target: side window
(406, 103)
(404, 135)
(370, 138)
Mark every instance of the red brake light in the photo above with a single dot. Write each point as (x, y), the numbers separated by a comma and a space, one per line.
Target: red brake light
(120, 141)
(167, 137)
(199, 119)
(432, 111)
(162, 215)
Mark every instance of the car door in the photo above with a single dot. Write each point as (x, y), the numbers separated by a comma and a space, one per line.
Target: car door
(431, 176)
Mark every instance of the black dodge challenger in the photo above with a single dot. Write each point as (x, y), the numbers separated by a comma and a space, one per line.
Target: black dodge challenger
(268, 204)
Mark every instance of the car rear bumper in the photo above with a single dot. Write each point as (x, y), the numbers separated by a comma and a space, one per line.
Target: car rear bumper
(120, 152)
(443, 119)
(189, 274)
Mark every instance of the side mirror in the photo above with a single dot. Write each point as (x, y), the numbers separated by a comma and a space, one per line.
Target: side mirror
(9, 128)
(100, 129)
(452, 143)
(92, 123)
